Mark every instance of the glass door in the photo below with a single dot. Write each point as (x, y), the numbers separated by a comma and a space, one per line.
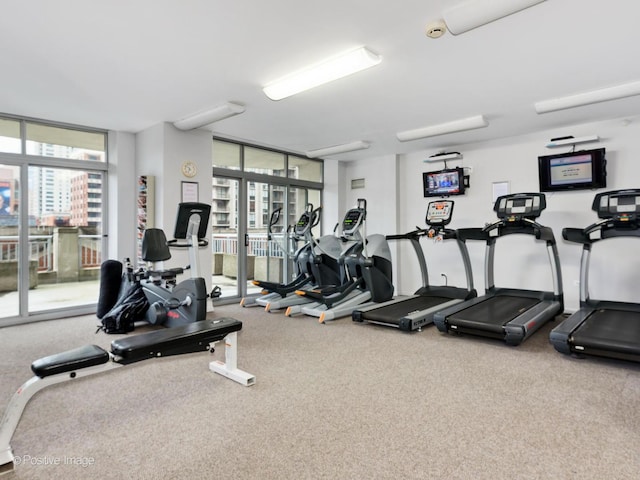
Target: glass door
(226, 247)
(9, 241)
(242, 248)
(266, 254)
(249, 184)
(65, 237)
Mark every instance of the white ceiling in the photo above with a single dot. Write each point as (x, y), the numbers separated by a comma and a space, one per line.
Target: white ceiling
(129, 64)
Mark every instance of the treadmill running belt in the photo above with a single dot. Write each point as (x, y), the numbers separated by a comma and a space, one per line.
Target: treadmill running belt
(493, 313)
(612, 330)
(396, 311)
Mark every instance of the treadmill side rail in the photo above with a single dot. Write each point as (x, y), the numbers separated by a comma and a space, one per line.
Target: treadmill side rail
(560, 336)
(523, 326)
(440, 317)
(416, 320)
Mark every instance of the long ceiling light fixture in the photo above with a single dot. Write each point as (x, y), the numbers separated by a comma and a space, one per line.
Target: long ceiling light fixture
(209, 116)
(471, 14)
(462, 125)
(588, 98)
(335, 149)
(321, 73)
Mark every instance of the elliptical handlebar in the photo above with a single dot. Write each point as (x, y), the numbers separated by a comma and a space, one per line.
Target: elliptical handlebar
(275, 217)
(315, 216)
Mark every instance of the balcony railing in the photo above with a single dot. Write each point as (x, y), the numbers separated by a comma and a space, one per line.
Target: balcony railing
(90, 251)
(42, 249)
(258, 244)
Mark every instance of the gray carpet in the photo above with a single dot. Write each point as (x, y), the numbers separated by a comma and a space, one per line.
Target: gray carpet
(335, 401)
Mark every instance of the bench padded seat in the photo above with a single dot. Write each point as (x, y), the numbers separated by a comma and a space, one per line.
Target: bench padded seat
(192, 337)
(83, 357)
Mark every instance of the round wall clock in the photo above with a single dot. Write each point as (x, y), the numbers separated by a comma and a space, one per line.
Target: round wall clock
(189, 169)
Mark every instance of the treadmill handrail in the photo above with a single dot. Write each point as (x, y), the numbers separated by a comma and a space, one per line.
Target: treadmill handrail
(417, 233)
(472, 233)
(525, 226)
(607, 228)
(446, 234)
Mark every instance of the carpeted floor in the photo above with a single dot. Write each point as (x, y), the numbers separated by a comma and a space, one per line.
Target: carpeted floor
(335, 401)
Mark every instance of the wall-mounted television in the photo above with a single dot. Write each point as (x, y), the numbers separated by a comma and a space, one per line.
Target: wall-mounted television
(443, 182)
(586, 169)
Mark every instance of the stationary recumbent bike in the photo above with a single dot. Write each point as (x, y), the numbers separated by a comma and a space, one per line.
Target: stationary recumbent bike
(172, 303)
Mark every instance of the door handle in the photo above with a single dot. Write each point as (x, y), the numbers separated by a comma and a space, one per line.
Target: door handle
(246, 239)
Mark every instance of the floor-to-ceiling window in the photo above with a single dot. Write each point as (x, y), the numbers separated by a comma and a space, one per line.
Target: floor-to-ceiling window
(249, 183)
(52, 211)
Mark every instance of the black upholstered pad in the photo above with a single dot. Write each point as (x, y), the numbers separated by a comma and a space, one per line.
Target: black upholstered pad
(71, 360)
(192, 337)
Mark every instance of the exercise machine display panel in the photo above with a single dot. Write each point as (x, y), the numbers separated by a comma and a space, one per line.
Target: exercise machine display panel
(439, 213)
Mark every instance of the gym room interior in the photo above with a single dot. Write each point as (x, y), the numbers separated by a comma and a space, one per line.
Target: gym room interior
(173, 102)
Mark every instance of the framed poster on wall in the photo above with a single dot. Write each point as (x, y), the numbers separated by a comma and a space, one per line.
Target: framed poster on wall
(189, 191)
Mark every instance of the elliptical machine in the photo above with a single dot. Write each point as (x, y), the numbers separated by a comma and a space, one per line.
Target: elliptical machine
(280, 295)
(172, 303)
(365, 272)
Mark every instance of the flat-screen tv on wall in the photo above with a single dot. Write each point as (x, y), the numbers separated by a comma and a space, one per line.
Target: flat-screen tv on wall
(443, 182)
(581, 170)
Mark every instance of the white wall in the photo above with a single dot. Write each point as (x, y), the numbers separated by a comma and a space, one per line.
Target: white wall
(121, 184)
(161, 150)
(521, 262)
(333, 201)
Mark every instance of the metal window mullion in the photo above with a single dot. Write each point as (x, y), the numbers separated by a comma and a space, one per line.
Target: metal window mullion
(23, 244)
(71, 164)
(243, 221)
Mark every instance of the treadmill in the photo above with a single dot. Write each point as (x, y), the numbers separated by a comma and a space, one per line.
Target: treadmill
(505, 313)
(603, 328)
(413, 312)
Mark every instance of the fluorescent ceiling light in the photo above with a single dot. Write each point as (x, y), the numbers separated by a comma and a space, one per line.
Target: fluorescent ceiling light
(209, 116)
(345, 147)
(469, 123)
(470, 14)
(324, 72)
(588, 98)
(561, 142)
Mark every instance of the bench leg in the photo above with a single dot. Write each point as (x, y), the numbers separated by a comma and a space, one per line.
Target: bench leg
(229, 368)
(22, 397)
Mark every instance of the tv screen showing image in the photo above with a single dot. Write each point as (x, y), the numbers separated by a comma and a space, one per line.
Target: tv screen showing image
(573, 171)
(443, 182)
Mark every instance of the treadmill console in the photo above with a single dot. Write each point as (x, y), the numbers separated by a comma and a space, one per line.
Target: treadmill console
(517, 206)
(439, 213)
(620, 205)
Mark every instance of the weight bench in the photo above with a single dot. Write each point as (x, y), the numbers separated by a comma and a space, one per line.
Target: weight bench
(91, 360)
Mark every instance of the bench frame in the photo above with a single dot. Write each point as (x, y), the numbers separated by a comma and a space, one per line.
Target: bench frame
(20, 399)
